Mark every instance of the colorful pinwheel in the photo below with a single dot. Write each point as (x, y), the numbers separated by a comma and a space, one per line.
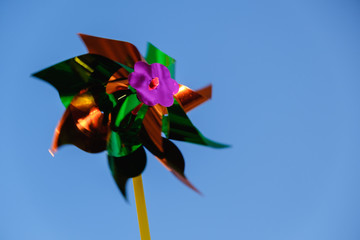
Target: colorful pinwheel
(119, 101)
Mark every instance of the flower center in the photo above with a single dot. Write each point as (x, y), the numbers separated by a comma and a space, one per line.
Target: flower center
(154, 83)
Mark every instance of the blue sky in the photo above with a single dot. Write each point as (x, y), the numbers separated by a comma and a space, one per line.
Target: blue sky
(285, 78)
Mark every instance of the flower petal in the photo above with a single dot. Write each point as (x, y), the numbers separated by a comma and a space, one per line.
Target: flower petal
(138, 80)
(141, 80)
(147, 97)
(166, 90)
(143, 68)
(160, 71)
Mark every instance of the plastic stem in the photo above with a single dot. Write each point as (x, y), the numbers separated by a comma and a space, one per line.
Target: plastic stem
(141, 208)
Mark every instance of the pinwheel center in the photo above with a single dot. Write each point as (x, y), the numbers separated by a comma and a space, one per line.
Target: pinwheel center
(154, 83)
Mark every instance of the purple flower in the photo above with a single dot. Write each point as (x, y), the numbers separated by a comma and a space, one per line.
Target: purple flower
(153, 84)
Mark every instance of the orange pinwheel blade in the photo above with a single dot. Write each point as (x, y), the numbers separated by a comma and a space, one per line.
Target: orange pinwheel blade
(190, 99)
(82, 125)
(119, 51)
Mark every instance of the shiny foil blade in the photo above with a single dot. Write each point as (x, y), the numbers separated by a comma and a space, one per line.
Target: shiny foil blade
(168, 155)
(123, 168)
(125, 128)
(155, 55)
(179, 127)
(118, 81)
(164, 150)
(119, 51)
(153, 124)
(82, 125)
(190, 99)
(73, 75)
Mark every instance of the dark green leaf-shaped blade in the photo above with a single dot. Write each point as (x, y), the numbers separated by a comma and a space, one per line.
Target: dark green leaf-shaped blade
(75, 74)
(154, 55)
(173, 156)
(176, 162)
(123, 168)
(178, 126)
(170, 156)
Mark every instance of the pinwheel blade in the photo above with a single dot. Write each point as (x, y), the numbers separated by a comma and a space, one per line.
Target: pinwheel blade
(175, 161)
(123, 168)
(178, 126)
(190, 99)
(127, 119)
(82, 125)
(119, 51)
(75, 74)
(168, 155)
(155, 55)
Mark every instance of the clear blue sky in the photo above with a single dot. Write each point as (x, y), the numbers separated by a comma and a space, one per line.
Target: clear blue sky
(286, 77)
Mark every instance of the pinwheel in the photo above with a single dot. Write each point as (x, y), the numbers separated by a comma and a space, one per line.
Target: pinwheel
(119, 101)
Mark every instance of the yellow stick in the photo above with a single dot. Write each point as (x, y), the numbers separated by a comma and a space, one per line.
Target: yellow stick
(141, 208)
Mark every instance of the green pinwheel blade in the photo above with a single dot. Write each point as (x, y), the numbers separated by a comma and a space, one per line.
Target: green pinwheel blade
(123, 168)
(75, 74)
(121, 144)
(126, 154)
(178, 126)
(154, 55)
(124, 135)
(130, 103)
